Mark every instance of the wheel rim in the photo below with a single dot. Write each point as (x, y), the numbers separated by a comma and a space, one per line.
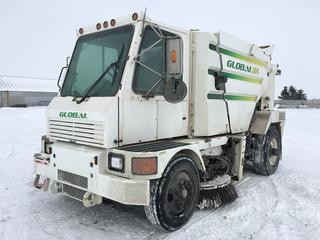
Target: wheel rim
(273, 152)
(179, 195)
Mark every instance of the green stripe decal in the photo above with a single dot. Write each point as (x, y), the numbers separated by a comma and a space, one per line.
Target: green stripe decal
(237, 55)
(242, 78)
(215, 96)
(248, 98)
(237, 76)
(244, 58)
(241, 98)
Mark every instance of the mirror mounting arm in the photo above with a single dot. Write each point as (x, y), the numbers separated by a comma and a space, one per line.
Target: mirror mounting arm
(62, 69)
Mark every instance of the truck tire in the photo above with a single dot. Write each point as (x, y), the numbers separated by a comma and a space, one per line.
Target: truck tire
(268, 152)
(174, 197)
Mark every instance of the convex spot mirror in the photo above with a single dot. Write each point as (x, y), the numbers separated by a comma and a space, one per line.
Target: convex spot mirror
(175, 90)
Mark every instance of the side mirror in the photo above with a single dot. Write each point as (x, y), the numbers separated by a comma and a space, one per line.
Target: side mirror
(174, 56)
(175, 90)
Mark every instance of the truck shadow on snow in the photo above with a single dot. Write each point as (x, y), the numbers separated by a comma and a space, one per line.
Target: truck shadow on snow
(112, 219)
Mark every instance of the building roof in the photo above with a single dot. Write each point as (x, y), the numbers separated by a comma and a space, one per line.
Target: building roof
(22, 84)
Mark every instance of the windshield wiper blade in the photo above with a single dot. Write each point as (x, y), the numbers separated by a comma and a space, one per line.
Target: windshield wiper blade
(117, 65)
(96, 82)
(114, 64)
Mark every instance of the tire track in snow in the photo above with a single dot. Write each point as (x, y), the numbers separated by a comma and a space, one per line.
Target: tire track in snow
(248, 185)
(267, 217)
(201, 215)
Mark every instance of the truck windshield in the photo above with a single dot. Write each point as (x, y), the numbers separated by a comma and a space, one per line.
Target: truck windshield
(92, 56)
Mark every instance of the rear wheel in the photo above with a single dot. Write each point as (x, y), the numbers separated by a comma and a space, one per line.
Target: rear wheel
(268, 152)
(174, 197)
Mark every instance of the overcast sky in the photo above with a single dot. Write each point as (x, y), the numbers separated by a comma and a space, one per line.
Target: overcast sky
(37, 35)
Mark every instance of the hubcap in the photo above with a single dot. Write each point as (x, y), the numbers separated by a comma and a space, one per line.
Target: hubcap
(273, 152)
(179, 194)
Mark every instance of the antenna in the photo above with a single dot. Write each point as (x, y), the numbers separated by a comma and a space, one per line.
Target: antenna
(143, 20)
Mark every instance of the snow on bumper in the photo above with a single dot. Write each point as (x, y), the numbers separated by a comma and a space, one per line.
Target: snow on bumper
(78, 171)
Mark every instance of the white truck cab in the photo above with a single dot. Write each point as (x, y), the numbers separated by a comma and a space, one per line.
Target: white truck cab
(153, 115)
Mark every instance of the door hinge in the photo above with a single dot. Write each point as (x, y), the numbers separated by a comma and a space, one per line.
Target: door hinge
(117, 141)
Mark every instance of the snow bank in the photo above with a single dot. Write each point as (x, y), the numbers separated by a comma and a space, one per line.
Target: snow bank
(283, 206)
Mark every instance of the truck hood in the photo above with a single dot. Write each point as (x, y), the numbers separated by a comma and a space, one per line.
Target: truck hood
(93, 122)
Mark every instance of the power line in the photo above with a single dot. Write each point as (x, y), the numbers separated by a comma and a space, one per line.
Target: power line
(15, 76)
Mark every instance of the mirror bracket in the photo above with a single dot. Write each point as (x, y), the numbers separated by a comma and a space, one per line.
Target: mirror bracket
(62, 69)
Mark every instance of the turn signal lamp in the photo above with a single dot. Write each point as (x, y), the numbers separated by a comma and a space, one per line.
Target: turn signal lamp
(173, 55)
(144, 165)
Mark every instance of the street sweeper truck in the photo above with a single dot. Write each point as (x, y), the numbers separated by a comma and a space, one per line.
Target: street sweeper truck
(153, 115)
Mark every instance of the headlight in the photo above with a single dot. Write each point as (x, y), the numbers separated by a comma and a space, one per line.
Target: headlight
(116, 162)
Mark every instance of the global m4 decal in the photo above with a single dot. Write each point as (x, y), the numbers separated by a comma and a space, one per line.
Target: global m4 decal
(242, 67)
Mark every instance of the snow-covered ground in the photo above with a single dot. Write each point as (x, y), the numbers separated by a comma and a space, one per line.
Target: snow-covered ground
(283, 206)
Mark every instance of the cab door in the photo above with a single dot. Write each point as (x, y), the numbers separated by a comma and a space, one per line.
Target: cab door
(151, 116)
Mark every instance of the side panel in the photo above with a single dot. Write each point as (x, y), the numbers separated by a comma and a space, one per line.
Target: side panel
(210, 113)
(172, 119)
(140, 121)
(247, 77)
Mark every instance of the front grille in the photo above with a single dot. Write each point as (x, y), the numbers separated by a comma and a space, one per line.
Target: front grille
(81, 132)
(73, 179)
(73, 192)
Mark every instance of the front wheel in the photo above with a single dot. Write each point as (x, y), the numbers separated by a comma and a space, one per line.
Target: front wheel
(268, 152)
(174, 197)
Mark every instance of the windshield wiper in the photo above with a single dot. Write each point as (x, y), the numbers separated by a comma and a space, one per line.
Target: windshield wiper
(114, 64)
(117, 66)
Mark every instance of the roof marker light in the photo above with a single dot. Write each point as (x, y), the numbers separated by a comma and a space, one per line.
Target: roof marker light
(81, 30)
(113, 22)
(135, 16)
(98, 26)
(105, 24)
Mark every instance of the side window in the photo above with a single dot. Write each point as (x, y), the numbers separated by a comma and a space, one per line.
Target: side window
(151, 60)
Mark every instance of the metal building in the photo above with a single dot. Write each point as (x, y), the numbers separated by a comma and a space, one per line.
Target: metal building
(24, 92)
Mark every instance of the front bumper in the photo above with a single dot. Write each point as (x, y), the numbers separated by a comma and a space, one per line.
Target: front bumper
(80, 172)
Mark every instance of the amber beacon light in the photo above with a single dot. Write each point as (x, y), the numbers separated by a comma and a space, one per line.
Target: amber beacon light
(135, 16)
(113, 22)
